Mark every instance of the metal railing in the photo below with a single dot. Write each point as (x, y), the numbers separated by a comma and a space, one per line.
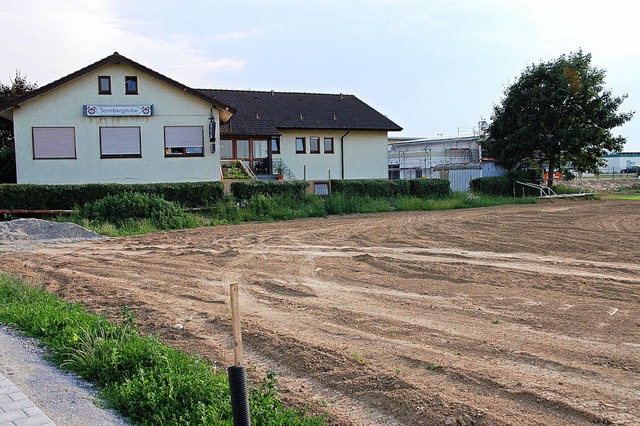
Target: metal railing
(279, 163)
(547, 192)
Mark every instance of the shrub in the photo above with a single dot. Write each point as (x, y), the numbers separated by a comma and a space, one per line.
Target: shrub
(66, 197)
(429, 188)
(121, 209)
(247, 190)
(495, 185)
(370, 188)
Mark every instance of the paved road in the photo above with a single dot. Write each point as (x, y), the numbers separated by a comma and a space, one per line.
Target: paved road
(32, 392)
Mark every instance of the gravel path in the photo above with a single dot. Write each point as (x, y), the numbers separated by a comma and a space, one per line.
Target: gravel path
(63, 397)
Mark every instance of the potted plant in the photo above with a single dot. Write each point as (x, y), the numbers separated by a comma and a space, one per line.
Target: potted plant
(280, 170)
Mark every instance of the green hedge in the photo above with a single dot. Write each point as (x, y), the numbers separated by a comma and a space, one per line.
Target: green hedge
(65, 197)
(423, 188)
(495, 185)
(370, 188)
(246, 190)
(505, 186)
(429, 188)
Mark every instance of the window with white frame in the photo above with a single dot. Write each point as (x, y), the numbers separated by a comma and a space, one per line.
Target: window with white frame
(120, 142)
(54, 143)
(184, 141)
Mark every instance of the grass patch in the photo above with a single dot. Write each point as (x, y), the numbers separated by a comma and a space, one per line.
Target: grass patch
(458, 200)
(610, 295)
(267, 208)
(635, 197)
(144, 380)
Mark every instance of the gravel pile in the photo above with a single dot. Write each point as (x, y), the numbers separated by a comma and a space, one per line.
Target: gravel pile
(44, 230)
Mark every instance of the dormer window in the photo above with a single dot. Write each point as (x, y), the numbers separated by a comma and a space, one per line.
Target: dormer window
(104, 85)
(131, 85)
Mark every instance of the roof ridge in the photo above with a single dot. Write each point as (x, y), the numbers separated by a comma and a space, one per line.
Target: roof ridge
(280, 93)
(114, 58)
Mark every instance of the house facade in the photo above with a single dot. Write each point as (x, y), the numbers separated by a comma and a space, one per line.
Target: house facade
(311, 136)
(117, 121)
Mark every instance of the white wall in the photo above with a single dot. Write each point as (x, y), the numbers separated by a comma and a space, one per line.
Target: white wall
(365, 155)
(619, 162)
(63, 107)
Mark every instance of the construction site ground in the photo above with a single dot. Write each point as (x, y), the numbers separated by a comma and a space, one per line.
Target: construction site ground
(515, 315)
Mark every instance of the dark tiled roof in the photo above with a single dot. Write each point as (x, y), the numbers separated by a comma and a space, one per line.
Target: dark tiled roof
(116, 58)
(265, 113)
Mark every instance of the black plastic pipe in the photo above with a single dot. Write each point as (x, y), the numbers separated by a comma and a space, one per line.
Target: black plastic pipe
(239, 401)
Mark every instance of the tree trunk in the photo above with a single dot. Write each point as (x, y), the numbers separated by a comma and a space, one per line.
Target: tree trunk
(552, 167)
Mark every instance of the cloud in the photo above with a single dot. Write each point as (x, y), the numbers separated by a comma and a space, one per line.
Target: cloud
(238, 35)
(52, 39)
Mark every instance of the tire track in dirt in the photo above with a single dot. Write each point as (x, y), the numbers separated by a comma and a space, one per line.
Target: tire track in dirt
(407, 318)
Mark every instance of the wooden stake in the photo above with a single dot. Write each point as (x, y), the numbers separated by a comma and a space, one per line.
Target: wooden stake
(235, 322)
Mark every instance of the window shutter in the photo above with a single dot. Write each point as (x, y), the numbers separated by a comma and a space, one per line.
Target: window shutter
(120, 141)
(184, 137)
(54, 142)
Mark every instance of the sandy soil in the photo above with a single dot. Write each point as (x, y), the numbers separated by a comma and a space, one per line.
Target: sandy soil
(519, 315)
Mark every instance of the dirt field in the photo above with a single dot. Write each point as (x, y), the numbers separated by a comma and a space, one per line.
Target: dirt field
(519, 315)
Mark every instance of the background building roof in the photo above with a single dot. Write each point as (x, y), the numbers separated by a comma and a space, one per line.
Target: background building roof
(266, 113)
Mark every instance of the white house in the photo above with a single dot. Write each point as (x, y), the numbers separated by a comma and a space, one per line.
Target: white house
(311, 135)
(117, 121)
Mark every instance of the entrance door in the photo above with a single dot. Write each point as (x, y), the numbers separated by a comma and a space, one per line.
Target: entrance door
(259, 157)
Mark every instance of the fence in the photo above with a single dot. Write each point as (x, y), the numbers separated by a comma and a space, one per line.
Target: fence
(609, 173)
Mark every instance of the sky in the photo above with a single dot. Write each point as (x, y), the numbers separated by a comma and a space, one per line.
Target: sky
(435, 67)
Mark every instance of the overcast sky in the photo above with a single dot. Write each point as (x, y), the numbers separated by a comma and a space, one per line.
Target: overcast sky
(433, 66)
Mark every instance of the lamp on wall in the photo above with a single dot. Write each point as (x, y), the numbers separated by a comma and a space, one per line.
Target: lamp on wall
(212, 132)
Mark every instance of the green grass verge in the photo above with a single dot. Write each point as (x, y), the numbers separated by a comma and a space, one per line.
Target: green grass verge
(279, 207)
(621, 196)
(146, 381)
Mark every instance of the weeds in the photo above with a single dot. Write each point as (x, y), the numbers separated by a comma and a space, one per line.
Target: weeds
(610, 295)
(358, 358)
(147, 382)
(109, 218)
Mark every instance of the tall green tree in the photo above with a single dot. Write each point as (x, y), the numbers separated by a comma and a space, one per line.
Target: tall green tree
(18, 86)
(556, 113)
